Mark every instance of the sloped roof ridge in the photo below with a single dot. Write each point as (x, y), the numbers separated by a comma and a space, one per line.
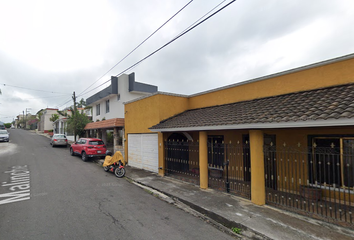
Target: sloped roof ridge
(270, 97)
(255, 100)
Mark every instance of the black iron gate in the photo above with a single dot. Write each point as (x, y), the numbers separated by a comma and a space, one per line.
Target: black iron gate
(182, 160)
(230, 167)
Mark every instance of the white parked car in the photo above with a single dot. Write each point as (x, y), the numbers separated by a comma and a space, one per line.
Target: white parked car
(4, 136)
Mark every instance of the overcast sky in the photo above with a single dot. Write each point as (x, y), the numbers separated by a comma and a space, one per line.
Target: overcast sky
(49, 49)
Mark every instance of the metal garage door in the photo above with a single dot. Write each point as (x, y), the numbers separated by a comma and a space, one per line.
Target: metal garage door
(143, 151)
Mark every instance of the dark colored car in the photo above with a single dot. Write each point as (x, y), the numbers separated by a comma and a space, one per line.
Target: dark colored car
(88, 147)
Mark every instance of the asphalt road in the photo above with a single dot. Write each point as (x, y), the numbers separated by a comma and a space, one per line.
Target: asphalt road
(47, 194)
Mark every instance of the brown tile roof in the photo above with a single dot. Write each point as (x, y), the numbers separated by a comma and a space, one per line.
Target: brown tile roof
(110, 123)
(322, 104)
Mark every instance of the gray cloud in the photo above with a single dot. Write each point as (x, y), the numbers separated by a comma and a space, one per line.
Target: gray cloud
(248, 39)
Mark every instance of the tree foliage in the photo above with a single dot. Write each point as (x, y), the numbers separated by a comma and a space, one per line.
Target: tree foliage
(54, 117)
(82, 103)
(39, 114)
(77, 122)
(63, 113)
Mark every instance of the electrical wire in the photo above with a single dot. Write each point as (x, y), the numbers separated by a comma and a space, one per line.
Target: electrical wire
(174, 39)
(194, 25)
(65, 103)
(8, 85)
(49, 97)
(138, 46)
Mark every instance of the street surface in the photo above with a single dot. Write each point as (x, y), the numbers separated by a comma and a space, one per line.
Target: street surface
(47, 194)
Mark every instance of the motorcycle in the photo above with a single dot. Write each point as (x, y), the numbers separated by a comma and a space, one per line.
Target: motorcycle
(114, 164)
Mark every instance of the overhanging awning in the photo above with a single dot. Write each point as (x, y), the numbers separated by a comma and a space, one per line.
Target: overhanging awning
(106, 124)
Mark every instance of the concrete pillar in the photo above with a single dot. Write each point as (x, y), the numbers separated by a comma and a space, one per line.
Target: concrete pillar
(115, 139)
(124, 152)
(99, 134)
(161, 154)
(257, 167)
(203, 159)
(104, 136)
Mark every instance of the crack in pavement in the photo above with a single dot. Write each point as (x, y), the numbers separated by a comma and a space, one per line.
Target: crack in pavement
(108, 214)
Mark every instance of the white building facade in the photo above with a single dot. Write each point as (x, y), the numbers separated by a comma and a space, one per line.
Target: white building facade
(45, 124)
(108, 104)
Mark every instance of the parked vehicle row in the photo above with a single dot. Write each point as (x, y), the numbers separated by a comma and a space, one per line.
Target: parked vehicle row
(93, 147)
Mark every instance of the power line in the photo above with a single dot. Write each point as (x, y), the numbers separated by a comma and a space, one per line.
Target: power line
(138, 45)
(202, 17)
(64, 103)
(174, 39)
(168, 43)
(8, 85)
(49, 97)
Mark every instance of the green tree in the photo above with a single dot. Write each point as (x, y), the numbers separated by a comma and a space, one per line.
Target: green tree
(7, 125)
(77, 122)
(39, 114)
(54, 117)
(82, 103)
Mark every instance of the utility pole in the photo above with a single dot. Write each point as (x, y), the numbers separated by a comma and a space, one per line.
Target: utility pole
(74, 115)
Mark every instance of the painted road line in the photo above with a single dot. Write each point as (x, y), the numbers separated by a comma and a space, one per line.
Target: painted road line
(18, 186)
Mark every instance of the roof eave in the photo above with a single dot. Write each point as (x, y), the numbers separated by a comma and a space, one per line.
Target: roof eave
(298, 124)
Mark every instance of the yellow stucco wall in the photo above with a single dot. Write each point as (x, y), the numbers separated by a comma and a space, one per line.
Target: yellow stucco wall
(324, 76)
(143, 114)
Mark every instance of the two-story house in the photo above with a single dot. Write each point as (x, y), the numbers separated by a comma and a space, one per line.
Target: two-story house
(44, 124)
(108, 109)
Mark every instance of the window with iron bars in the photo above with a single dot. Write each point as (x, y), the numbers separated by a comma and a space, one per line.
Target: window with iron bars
(332, 161)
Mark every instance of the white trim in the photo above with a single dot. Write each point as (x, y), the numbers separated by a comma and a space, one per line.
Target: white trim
(303, 124)
(156, 93)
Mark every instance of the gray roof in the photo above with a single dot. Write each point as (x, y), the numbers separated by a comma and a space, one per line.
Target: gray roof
(326, 105)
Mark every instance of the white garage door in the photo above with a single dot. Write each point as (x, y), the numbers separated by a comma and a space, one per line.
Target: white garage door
(143, 151)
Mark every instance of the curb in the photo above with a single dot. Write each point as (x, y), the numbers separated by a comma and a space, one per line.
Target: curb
(215, 219)
(210, 217)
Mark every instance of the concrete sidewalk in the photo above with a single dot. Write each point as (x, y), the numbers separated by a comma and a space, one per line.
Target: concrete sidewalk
(256, 222)
(230, 211)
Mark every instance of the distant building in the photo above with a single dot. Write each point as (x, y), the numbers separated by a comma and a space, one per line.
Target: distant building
(45, 124)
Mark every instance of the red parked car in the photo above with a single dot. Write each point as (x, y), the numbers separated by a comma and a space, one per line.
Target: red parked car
(88, 147)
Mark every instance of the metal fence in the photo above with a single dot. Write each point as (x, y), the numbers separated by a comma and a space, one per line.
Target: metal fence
(316, 181)
(228, 165)
(182, 160)
(230, 168)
